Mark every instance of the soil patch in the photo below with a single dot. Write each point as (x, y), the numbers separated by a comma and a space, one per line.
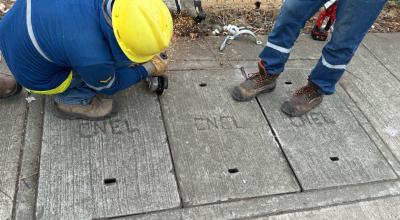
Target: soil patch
(261, 20)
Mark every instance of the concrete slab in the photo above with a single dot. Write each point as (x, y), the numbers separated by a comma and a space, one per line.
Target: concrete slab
(114, 167)
(268, 206)
(29, 172)
(327, 147)
(387, 208)
(376, 91)
(372, 133)
(242, 50)
(189, 54)
(13, 114)
(223, 150)
(171, 5)
(386, 49)
(203, 53)
(306, 48)
(228, 163)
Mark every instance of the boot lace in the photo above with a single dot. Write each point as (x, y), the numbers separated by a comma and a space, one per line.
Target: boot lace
(260, 79)
(308, 92)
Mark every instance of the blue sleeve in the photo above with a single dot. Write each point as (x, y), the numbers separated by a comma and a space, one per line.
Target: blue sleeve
(106, 79)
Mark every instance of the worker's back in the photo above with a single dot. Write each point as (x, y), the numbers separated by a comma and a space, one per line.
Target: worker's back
(55, 35)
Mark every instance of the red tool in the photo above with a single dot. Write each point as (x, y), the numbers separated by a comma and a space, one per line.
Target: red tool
(324, 21)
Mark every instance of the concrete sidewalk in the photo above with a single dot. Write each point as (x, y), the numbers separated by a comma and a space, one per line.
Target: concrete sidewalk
(194, 153)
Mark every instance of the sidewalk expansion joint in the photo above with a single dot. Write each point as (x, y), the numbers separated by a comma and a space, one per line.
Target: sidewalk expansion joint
(393, 158)
(380, 62)
(170, 151)
(40, 153)
(20, 159)
(316, 207)
(334, 191)
(280, 145)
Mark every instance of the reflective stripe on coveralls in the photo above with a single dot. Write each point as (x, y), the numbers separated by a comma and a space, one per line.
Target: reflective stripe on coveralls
(63, 86)
(30, 30)
(278, 48)
(59, 89)
(329, 4)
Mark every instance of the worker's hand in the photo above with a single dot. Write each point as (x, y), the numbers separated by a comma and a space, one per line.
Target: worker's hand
(159, 66)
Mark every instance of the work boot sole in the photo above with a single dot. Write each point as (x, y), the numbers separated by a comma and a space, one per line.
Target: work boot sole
(75, 116)
(16, 91)
(291, 111)
(236, 95)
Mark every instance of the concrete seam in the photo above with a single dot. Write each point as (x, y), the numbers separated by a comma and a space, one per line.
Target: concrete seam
(319, 207)
(272, 196)
(274, 133)
(396, 160)
(40, 154)
(376, 144)
(21, 153)
(170, 151)
(377, 58)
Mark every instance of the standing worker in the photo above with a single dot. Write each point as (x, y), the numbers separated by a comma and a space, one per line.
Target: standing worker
(78, 49)
(354, 18)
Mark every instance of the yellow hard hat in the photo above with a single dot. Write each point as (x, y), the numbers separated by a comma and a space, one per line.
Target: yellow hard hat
(143, 28)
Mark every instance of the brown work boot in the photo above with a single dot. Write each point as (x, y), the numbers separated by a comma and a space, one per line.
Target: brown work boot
(303, 100)
(99, 109)
(8, 86)
(255, 84)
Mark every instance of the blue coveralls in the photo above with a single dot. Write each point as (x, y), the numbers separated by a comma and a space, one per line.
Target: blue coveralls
(354, 18)
(44, 40)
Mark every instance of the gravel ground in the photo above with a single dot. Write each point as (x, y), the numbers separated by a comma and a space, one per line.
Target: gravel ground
(261, 20)
(243, 13)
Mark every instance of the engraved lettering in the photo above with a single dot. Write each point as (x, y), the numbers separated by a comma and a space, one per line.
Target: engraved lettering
(115, 126)
(199, 124)
(212, 123)
(85, 130)
(236, 123)
(306, 119)
(317, 118)
(216, 123)
(312, 118)
(101, 126)
(226, 122)
(130, 129)
(297, 122)
(328, 120)
(109, 127)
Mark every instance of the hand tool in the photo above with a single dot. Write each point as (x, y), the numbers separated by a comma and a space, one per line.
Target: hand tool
(324, 21)
(158, 84)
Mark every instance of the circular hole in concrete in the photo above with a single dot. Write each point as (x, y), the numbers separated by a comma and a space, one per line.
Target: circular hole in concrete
(334, 158)
(233, 170)
(258, 5)
(203, 84)
(288, 83)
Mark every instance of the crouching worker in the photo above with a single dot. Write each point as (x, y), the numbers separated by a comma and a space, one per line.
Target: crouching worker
(78, 49)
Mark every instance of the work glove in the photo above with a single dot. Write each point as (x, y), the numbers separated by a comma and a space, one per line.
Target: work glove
(157, 66)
